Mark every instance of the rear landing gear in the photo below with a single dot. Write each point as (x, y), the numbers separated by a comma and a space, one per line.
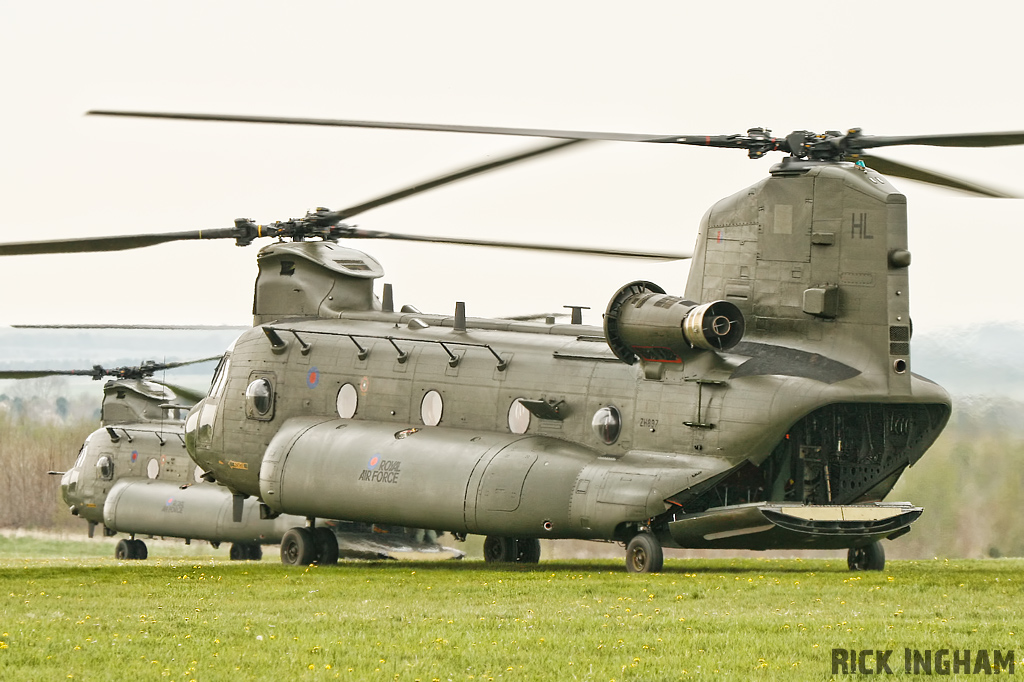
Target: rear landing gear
(499, 550)
(131, 550)
(298, 547)
(242, 551)
(867, 558)
(644, 554)
(326, 546)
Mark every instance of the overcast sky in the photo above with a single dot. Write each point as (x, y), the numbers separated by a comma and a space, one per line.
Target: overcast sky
(650, 67)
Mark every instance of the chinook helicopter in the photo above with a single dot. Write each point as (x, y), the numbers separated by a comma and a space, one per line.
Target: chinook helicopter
(770, 406)
(133, 476)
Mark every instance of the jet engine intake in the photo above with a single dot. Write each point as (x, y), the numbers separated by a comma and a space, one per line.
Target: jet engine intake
(644, 322)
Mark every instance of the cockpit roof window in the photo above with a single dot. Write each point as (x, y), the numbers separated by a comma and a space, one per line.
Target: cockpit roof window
(220, 376)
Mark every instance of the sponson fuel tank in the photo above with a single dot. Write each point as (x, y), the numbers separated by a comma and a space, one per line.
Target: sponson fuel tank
(198, 512)
(512, 485)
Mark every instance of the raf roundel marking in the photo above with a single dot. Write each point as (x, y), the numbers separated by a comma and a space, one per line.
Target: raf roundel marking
(135, 455)
(313, 378)
(374, 461)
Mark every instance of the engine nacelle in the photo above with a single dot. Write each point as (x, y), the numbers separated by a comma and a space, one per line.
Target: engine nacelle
(642, 321)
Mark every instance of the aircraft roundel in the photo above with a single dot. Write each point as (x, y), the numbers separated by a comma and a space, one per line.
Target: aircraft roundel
(135, 455)
(374, 461)
(313, 378)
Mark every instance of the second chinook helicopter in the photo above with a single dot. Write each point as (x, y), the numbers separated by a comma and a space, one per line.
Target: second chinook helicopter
(771, 405)
(133, 474)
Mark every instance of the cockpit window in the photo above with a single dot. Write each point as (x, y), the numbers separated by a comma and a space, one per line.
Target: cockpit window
(220, 376)
(81, 456)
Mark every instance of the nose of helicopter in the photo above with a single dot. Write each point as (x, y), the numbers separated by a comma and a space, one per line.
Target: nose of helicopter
(191, 425)
(69, 489)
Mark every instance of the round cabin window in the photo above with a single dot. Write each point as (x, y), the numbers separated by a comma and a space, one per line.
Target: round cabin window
(431, 408)
(153, 468)
(348, 401)
(106, 467)
(607, 424)
(259, 397)
(518, 417)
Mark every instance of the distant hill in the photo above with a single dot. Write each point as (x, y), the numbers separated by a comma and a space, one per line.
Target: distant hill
(987, 360)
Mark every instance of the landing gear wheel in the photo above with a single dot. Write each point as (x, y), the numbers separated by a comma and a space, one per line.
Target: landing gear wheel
(298, 547)
(498, 550)
(140, 550)
(326, 546)
(527, 551)
(130, 550)
(644, 555)
(867, 558)
(242, 551)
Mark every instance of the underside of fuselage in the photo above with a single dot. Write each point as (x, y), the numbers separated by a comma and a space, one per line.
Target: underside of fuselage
(840, 457)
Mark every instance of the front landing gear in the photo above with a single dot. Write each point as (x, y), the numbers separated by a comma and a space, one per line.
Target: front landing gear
(131, 549)
(644, 555)
(867, 558)
(511, 550)
(305, 546)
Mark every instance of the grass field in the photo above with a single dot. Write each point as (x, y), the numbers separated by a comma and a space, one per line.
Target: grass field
(199, 618)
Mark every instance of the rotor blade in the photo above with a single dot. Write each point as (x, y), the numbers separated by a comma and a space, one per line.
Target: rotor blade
(487, 130)
(115, 243)
(182, 391)
(1003, 139)
(903, 170)
(531, 318)
(996, 139)
(172, 327)
(452, 177)
(649, 255)
(40, 373)
(99, 371)
(160, 366)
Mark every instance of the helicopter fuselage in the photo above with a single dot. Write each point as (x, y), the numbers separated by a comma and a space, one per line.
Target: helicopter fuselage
(567, 431)
(401, 436)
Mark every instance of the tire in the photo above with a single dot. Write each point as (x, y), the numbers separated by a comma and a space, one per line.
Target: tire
(298, 547)
(140, 551)
(123, 550)
(246, 551)
(867, 558)
(326, 546)
(644, 554)
(527, 551)
(498, 550)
